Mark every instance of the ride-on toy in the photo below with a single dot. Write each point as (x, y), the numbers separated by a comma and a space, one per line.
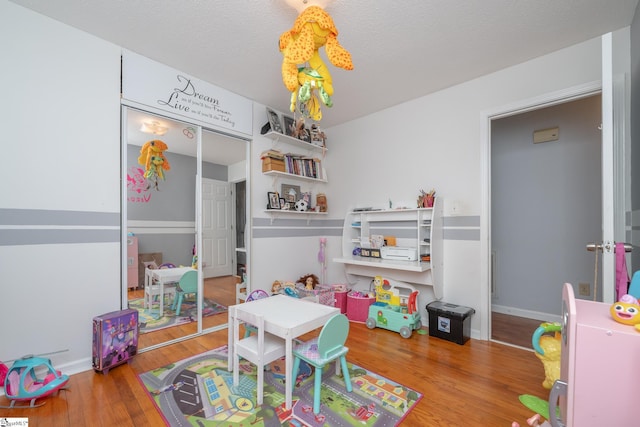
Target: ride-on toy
(29, 379)
(392, 310)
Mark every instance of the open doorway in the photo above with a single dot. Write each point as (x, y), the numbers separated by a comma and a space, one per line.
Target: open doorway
(546, 185)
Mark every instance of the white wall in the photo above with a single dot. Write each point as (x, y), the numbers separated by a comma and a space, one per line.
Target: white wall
(61, 171)
(434, 142)
(286, 247)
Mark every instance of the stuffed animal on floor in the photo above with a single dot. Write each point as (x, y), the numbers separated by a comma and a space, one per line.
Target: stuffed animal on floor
(312, 84)
(547, 349)
(153, 159)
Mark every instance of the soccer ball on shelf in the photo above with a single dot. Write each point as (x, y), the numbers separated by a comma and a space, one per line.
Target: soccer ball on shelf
(301, 205)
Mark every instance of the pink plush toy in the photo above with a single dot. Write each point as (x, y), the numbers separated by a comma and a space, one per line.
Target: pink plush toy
(3, 373)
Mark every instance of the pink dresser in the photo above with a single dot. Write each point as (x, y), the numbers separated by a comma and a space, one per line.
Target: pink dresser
(132, 262)
(600, 367)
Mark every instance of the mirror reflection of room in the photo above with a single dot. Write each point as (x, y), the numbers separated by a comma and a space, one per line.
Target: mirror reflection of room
(162, 242)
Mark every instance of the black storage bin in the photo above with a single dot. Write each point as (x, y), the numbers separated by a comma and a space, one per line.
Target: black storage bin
(449, 321)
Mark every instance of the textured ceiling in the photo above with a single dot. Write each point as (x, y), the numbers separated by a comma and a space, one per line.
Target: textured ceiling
(401, 49)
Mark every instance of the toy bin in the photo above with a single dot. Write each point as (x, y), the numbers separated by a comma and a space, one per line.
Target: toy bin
(449, 321)
(321, 294)
(341, 301)
(358, 306)
(340, 294)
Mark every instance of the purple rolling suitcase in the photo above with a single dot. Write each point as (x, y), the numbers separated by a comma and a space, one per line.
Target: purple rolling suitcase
(115, 339)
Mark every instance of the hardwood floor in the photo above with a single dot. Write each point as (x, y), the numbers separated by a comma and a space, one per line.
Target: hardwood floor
(219, 289)
(476, 384)
(513, 329)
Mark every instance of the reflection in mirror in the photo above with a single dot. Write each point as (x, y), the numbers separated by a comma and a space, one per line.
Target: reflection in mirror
(223, 173)
(161, 225)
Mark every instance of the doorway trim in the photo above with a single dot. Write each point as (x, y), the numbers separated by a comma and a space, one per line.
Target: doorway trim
(518, 107)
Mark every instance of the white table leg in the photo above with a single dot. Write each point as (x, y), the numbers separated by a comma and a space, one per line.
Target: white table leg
(161, 280)
(231, 331)
(288, 366)
(147, 304)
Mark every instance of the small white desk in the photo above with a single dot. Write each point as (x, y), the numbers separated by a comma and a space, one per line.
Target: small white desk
(285, 317)
(163, 276)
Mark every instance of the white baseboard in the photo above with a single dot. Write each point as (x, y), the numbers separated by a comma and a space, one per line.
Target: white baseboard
(529, 314)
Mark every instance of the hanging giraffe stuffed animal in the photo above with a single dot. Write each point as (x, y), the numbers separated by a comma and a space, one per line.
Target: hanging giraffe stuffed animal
(154, 161)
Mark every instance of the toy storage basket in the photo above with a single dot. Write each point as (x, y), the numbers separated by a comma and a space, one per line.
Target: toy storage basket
(322, 294)
(340, 293)
(358, 306)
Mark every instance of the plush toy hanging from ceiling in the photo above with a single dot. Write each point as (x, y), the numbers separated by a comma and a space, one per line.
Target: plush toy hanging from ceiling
(311, 83)
(153, 159)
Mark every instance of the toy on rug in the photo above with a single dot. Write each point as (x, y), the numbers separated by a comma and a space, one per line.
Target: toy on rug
(547, 349)
(626, 311)
(312, 84)
(21, 382)
(153, 159)
(309, 281)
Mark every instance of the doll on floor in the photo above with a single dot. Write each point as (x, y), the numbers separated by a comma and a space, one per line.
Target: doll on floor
(309, 281)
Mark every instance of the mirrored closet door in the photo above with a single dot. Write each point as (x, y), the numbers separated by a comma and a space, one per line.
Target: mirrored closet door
(181, 267)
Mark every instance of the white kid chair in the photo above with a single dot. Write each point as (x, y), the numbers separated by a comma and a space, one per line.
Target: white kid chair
(152, 290)
(259, 349)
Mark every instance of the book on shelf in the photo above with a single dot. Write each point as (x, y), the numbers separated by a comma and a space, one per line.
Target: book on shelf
(310, 167)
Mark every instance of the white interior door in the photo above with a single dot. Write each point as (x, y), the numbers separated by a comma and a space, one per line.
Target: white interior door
(216, 257)
(615, 119)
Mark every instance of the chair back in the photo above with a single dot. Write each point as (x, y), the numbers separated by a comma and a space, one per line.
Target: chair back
(189, 282)
(257, 294)
(333, 336)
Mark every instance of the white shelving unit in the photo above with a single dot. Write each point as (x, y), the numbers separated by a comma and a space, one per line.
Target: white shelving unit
(415, 228)
(278, 139)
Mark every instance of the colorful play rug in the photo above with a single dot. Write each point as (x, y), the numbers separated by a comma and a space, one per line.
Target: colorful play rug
(199, 391)
(149, 322)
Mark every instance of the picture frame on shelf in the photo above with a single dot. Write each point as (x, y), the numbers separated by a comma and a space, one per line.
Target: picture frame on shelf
(289, 125)
(273, 200)
(274, 121)
(291, 193)
(283, 204)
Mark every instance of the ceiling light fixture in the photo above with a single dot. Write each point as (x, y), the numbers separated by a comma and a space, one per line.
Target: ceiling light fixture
(301, 5)
(153, 127)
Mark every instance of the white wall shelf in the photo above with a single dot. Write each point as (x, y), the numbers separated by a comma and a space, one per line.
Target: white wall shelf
(276, 213)
(416, 228)
(278, 174)
(279, 137)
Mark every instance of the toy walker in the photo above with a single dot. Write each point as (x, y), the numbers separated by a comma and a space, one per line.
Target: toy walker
(393, 310)
(31, 378)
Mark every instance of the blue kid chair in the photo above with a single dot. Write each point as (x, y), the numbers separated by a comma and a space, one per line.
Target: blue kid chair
(321, 351)
(634, 287)
(188, 284)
